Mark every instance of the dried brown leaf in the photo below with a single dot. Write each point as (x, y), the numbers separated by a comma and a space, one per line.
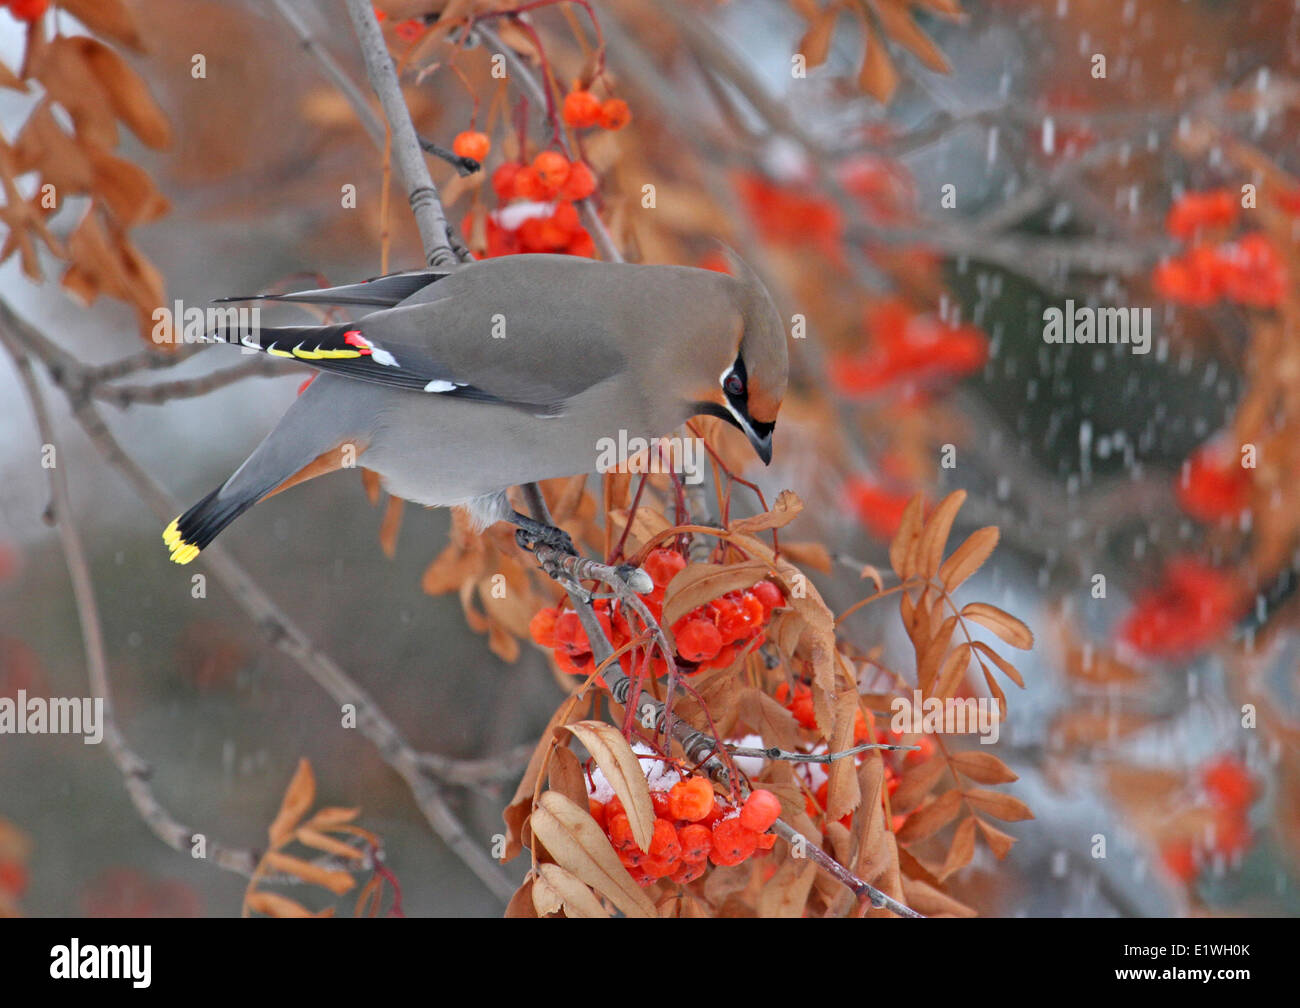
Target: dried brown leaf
(928, 820)
(982, 766)
(962, 849)
(579, 845)
(816, 42)
(999, 805)
(622, 769)
(127, 93)
(967, 558)
(934, 536)
(556, 889)
(1008, 670)
(917, 782)
(1000, 843)
(877, 76)
(783, 512)
(1006, 626)
(330, 845)
(109, 18)
(297, 800)
(903, 545)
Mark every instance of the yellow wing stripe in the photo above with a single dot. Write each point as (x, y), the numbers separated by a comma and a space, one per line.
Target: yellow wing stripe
(325, 354)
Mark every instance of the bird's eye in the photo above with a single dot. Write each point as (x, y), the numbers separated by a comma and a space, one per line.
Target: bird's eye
(734, 385)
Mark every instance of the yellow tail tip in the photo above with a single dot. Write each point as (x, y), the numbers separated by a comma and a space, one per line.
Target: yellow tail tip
(181, 551)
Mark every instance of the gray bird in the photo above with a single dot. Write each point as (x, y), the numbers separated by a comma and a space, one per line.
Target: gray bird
(465, 382)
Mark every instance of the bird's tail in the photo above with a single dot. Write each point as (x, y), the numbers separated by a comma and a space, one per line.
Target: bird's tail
(202, 523)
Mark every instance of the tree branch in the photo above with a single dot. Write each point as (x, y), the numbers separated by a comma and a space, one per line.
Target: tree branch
(422, 193)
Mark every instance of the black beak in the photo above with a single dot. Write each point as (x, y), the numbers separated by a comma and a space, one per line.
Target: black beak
(759, 434)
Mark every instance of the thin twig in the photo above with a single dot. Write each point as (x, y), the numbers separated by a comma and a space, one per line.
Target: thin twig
(136, 773)
(426, 206)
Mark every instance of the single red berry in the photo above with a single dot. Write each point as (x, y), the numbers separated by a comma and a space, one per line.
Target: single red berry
(503, 180)
(691, 799)
(754, 610)
(541, 628)
(663, 565)
(552, 169)
(581, 182)
(760, 811)
(568, 634)
(28, 10)
(696, 840)
(581, 109)
(582, 244)
(661, 804)
(690, 871)
(769, 595)
(620, 831)
(528, 184)
(664, 844)
(697, 639)
(471, 144)
(614, 114)
(597, 811)
(732, 842)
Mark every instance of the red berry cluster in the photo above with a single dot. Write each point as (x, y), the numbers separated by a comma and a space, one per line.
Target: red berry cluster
(692, 827)
(583, 109)
(552, 182)
(26, 10)
(711, 636)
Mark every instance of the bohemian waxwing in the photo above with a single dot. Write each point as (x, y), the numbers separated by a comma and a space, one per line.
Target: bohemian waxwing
(465, 382)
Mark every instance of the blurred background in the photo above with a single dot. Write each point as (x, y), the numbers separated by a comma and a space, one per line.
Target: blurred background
(918, 181)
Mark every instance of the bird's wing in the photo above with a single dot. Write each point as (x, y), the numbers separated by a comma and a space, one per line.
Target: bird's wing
(530, 337)
(378, 292)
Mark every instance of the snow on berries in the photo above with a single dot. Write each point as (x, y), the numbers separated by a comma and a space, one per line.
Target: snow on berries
(693, 826)
(536, 211)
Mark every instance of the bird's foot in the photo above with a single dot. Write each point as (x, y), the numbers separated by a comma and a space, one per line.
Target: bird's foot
(530, 533)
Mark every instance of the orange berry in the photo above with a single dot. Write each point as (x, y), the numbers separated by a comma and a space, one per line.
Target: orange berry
(568, 634)
(503, 180)
(541, 628)
(528, 184)
(597, 811)
(766, 841)
(620, 831)
(581, 109)
(769, 595)
(663, 565)
(690, 871)
(697, 639)
(691, 799)
(664, 844)
(732, 842)
(471, 144)
(760, 811)
(552, 169)
(660, 803)
(614, 114)
(657, 868)
(28, 10)
(566, 219)
(696, 840)
(614, 806)
(580, 184)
